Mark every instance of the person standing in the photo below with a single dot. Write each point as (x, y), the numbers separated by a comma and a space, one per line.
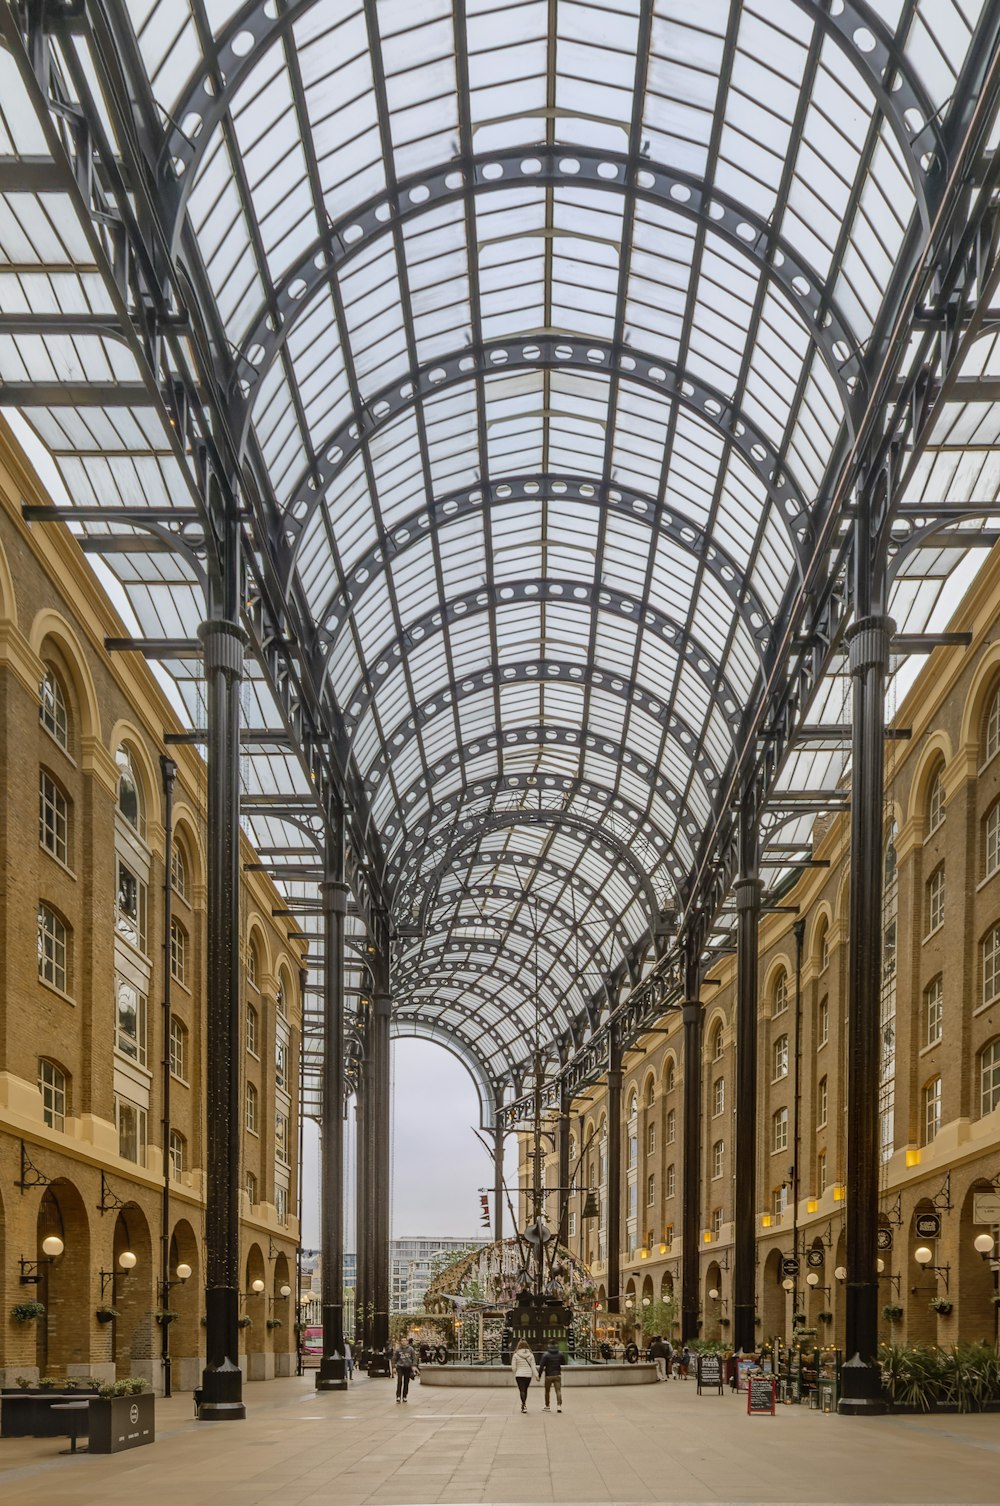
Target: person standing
(685, 1362)
(658, 1354)
(405, 1359)
(523, 1365)
(551, 1368)
(349, 1360)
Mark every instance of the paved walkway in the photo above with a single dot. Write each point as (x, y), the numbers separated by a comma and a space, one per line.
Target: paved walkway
(644, 1443)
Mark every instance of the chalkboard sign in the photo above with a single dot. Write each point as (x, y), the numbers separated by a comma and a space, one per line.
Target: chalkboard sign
(709, 1372)
(760, 1394)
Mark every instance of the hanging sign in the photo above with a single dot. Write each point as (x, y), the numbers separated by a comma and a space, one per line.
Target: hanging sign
(760, 1395)
(709, 1373)
(790, 1266)
(814, 1258)
(986, 1207)
(927, 1225)
(883, 1239)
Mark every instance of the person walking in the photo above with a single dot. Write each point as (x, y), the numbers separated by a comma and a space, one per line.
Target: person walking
(405, 1359)
(525, 1371)
(658, 1354)
(349, 1360)
(685, 1362)
(551, 1368)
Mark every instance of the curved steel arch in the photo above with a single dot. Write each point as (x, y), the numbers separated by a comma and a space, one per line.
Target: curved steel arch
(661, 518)
(429, 947)
(544, 672)
(502, 1049)
(464, 1053)
(537, 353)
(500, 821)
(682, 194)
(567, 593)
(242, 42)
(506, 971)
(541, 734)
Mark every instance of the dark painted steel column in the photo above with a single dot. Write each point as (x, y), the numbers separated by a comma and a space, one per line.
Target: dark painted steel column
(691, 1211)
(564, 1169)
(868, 646)
(360, 1202)
(498, 1139)
(221, 1395)
(745, 1211)
(378, 1183)
(614, 1233)
(332, 1373)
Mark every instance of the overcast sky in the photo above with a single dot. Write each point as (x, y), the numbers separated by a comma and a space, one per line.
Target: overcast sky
(438, 1164)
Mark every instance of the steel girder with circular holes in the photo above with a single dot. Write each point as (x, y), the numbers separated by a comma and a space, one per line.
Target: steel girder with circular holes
(566, 593)
(449, 956)
(662, 518)
(471, 828)
(568, 353)
(492, 961)
(567, 737)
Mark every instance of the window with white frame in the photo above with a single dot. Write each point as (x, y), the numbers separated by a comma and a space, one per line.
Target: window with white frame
(992, 844)
(130, 799)
(178, 1049)
(990, 951)
(251, 1108)
(718, 1151)
(935, 900)
(935, 800)
(717, 1047)
(718, 1097)
(670, 1182)
(716, 1222)
(131, 1010)
(671, 1126)
(178, 871)
(671, 1080)
(52, 1086)
(992, 734)
(177, 1155)
(779, 999)
(650, 1093)
(650, 1139)
(823, 1023)
(281, 1137)
(822, 1104)
(252, 967)
(824, 947)
(779, 1058)
(281, 1062)
(932, 1110)
(52, 710)
(178, 952)
(54, 949)
(933, 1012)
(821, 1173)
(989, 1077)
(571, 1225)
(130, 923)
(281, 1204)
(253, 1022)
(779, 1130)
(53, 817)
(779, 1201)
(131, 1131)
(650, 1190)
(250, 1185)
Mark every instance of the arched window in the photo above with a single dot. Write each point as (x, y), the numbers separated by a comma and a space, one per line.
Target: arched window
(650, 1093)
(253, 968)
(633, 1137)
(989, 1077)
(251, 1119)
(779, 996)
(178, 871)
(279, 1002)
(780, 1058)
(52, 1086)
(935, 800)
(717, 1047)
(991, 844)
(178, 1154)
(671, 1081)
(178, 1049)
(54, 949)
(932, 1110)
(130, 801)
(991, 731)
(178, 952)
(990, 950)
(52, 709)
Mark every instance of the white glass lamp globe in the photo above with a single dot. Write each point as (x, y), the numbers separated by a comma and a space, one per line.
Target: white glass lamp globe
(714, 1293)
(880, 1266)
(922, 1255)
(812, 1279)
(983, 1243)
(127, 1260)
(646, 1301)
(257, 1286)
(788, 1283)
(286, 1291)
(52, 1246)
(183, 1271)
(841, 1273)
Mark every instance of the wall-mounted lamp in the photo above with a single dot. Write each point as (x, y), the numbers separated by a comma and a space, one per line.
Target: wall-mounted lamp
(127, 1262)
(983, 1244)
(841, 1273)
(181, 1274)
(812, 1282)
(52, 1248)
(788, 1284)
(924, 1256)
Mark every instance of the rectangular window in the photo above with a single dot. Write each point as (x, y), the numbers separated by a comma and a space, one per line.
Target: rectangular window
(650, 1191)
(251, 1108)
(176, 1155)
(251, 1188)
(991, 965)
(933, 1012)
(993, 840)
(717, 1155)
(252, 1030)
(718, 1097)
(53, 818)
(130, 1039)
(716, 1221)
(178, 952)
(281, 1063)
(935, 901)
(989, 1078)
(131, 911)
(821, 1103)
(178, 1050)
(53, 949)
(651, 1140)
(779, 1130)
(821, 1172)
(932, 1110)
(281, 1137)
(571, 1226)
(780, 1058)
(52, 1086)
(671, 1126)
(131, 1131)
(823, 1032)
(671, 1184)
(779, 1201)
(281, 1204)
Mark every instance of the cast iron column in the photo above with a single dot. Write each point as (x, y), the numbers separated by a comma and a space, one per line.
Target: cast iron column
(868, 644)
(332, 1373)
(498, 1138)
(614, 1233)
(745, 1211)
(360, 1202)
(691, 1211)
(563, 1176)
(221, 1395)
(378, 1180)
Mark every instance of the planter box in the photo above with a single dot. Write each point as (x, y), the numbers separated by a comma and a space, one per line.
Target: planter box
(121, 1422)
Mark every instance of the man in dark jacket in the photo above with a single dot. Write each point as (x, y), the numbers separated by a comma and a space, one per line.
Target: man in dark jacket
(658, 1352)
(550, 1366)
(405, 1360)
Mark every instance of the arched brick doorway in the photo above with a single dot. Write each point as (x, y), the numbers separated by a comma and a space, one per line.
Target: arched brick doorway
(63, 1336)
(135, 1333)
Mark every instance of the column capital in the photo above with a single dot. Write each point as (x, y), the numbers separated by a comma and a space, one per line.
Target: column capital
(868, 643)
(691, 1011)
(747, 892)
(334, 895)
(224, 643)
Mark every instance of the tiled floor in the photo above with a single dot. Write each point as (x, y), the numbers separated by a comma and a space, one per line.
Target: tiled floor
(648, 1443)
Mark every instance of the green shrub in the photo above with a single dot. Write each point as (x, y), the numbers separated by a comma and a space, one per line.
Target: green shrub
(27, 1312)
(915, 1375)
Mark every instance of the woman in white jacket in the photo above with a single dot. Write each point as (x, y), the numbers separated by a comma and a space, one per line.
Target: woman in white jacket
(525, 1370)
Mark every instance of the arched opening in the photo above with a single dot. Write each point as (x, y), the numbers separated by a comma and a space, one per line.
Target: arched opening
(818, 1294)
(711, 1303)
(838, 1293)
(976, 1288)
(259, 1363)
(919, 1287)
(134, 1332)
(63, 1335)
(185, 1301)
(282, 1316)
(773, 1301)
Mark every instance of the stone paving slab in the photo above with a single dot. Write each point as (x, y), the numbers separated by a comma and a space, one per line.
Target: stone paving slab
(657, 1444)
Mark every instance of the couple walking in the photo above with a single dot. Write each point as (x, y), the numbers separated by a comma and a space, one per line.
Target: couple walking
(525, 1371)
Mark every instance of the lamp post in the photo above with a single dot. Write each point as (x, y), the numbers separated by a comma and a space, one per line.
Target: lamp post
(52, 1248)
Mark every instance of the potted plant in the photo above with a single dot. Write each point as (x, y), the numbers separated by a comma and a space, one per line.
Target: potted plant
(27, 1312)
(940, 1305)
(106, 1314)
(245, 1321)
(274, 1323)
(892, 1312)
(122, 1416)
(825, 1317)
(799, 1319)
(723, 1322)
(163, 1316)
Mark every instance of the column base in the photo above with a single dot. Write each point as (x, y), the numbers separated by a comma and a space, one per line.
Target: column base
(861, 1390)
(220, 1398)
(332, 1373)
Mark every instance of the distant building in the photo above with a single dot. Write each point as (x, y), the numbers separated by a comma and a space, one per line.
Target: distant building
(410, 1260)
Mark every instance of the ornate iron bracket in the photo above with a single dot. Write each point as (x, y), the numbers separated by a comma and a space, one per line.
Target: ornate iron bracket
(30, 1174)
(110, 1201)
